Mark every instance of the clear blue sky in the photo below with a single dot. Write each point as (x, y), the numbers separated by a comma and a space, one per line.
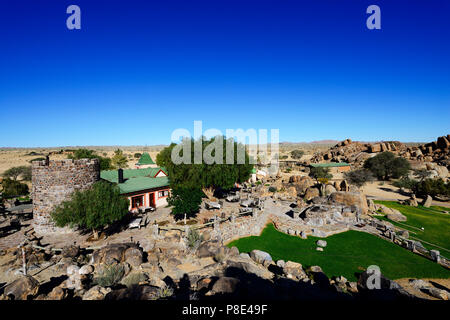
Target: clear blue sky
(137, 70)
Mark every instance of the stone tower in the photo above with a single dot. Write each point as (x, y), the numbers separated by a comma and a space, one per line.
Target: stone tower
(53, 181)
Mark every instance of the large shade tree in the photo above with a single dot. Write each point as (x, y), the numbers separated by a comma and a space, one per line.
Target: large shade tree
(386, 165)
(206, 176)
(15, 172)
(203, 175)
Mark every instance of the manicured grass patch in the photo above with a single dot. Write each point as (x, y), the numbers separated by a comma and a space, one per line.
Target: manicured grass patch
(346, 254)
(435, 222)
(439, 208)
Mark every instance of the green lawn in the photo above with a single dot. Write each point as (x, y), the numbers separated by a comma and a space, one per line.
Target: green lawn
(346, 254)
(435, 222)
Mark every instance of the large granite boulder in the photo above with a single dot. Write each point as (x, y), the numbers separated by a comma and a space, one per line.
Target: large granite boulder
(301, 183)
(117, 253)
(294, 270)
(397, 216)
(207, 249)
(96, 293)
(22, 288)
(311, 192)
(350, 199)
(225, 285)
(260, 256)
(427, 202)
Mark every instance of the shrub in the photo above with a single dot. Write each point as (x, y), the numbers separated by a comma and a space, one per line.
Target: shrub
(134, 279)
(164, 292)
(110, 275)
(320, 173)
(272, 189)
(297, 154)
(193, 238)
(13, 188)
(185, 200)
(432, 187)
(137, 155)
(359, 177)
(93, 208)
(405, 183)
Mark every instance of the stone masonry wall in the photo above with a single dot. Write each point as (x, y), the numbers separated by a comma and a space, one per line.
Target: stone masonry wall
(54, 183)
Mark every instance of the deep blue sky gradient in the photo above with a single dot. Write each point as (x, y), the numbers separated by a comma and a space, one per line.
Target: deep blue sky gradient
(137, 70)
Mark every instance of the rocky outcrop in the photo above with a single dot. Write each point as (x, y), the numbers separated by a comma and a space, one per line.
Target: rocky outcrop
(356, 153)
(311, 192)
(436, 152)
(260, 256)
(410, 202)
(391, 214)
(22, 288)
(117, 253)
(301, 183)
(350, 199)
(427, 201)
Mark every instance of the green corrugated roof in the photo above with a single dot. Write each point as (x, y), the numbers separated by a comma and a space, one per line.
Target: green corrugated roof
(136, 179)
(330, 164)
(145, 159)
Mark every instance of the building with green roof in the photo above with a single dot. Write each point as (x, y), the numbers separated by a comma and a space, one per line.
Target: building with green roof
(145, 188)
(341, 166)
(145, 161)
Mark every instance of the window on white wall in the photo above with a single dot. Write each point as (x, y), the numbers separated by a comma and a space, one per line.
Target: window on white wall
(162, 194)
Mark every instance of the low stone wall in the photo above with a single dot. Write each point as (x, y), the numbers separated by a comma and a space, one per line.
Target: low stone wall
(243, 227)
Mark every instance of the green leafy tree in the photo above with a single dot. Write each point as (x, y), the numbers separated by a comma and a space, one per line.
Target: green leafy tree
(12, 188)
(185, 200)
(187, 179)
(26, 173)
(322, 176)
(204, 175)
(119, 160)
(405, 183)
(320, 173)
(386, 165)
(359, 177)
(105, 163)
(93, 208)
(432, 187)
(15, 172)
(137, 155)
(297, 154)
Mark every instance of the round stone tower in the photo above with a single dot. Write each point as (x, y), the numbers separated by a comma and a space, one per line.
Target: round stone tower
(53, 181)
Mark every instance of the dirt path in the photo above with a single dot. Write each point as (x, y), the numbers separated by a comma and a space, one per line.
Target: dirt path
(388, 192)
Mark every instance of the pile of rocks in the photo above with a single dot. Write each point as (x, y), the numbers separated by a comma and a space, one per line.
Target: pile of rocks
(356, 152)
(210, 271)
(391, 214)
(437, 151)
